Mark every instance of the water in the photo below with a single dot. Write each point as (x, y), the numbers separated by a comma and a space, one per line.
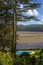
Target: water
(21, 52)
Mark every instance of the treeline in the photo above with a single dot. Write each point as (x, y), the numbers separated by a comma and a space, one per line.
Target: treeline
(38, 28)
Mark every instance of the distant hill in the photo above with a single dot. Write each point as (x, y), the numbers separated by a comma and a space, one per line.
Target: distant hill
(33, 27)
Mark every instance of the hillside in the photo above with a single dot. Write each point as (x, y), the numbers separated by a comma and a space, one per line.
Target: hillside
(33, 27)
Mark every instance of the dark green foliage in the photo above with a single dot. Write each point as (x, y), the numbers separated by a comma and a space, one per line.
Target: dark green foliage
(5, 36)
(23, 59)
(33, 60)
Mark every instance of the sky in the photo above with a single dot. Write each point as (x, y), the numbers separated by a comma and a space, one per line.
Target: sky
(36, 12)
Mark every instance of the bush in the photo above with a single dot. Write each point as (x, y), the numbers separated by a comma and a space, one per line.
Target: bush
(5, 59)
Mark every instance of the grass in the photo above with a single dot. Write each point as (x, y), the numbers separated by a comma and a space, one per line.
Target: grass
(26, 37)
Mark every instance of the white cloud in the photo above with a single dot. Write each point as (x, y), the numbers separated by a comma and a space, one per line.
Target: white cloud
(30, 13)
(21, 6)
(39, 22)
(41, 18)
(32, 21)
(35, 12)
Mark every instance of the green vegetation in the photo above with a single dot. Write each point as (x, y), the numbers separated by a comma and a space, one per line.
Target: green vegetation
(5, 59)
(5, 36)
(10, 13)
(23, 59)
(35, 28)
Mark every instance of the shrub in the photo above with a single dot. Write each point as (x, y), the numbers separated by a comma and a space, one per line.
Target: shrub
(5, 59)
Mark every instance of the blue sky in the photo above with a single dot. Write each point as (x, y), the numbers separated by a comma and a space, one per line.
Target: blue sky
(40, 9)
(37, 12)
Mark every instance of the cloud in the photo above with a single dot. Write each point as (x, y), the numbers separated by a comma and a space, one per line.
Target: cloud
(41, 18)
(32, 21)
(21, 6)
(35, 12)
(30, 12)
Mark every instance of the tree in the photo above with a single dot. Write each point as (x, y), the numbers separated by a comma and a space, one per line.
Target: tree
(20, 17)
(33, 60)
(15, 5)
(40, 60)
(4, 21)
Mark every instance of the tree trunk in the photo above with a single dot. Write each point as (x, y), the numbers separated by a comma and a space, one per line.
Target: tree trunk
(3, 47)
(14, 31)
